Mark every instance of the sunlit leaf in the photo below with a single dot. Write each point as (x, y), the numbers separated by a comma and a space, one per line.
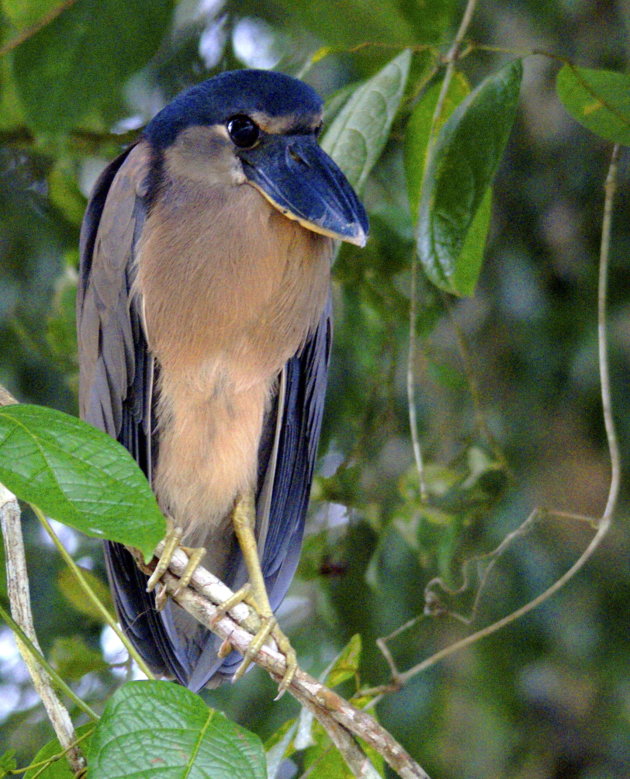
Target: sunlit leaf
(468, 265)
(73, 658)
(77, 475)
(73, 592)
(358, 134)
(346, 664)
(598, 99)
(463, 163)
(151, 729)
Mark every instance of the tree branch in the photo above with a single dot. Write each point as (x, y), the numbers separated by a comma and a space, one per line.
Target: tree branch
(19, 598)
(200, 599)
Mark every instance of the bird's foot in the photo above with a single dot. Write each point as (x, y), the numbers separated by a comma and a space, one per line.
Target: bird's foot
(172, 542)
(267, 627)
(255, 595)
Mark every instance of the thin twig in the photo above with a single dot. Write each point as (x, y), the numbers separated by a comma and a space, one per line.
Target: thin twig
(19, 598)
(43, 765)
(602, 344)
(356, 760)
(411, 380)
(605, 520)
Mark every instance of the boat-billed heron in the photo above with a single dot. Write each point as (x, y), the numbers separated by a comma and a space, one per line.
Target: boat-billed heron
(204, 329)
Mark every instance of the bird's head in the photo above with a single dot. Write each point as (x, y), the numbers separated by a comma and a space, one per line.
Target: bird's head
(260, 128)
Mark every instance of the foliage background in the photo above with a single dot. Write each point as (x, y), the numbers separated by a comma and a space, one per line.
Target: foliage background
(546, 697)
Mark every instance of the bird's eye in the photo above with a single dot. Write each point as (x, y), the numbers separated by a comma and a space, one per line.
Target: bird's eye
(243, 131)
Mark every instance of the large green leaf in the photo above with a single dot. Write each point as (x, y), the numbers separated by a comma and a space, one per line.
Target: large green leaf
(402, 22)
(463, 163)
(358, 134)
(597, 99)
(79, 60)
(151, 729)
(420, 129)
(77, 475)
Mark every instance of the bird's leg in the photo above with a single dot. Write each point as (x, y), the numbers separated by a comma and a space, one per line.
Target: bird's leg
(255, 593)
(172, 541)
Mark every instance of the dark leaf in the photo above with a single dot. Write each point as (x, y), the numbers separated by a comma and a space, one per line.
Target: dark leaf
(82, 58)
(463, 163)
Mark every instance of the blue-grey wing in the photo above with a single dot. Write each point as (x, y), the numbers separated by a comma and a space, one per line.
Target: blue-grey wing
(117, 375)
(305, 382)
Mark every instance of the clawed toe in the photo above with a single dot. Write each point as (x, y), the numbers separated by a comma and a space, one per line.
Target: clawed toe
(172, 542)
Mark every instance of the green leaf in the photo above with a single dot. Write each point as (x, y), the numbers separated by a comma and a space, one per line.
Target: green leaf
(358, 134)
(7, 762)
(78, 475)
(82, 58)
(58, 768)
(73, 658)
(418, 132)
(388, 21)
(64, 192)
(598, 99)
(11, 112)
(463, 163)
(337, 23)
(346, 664)
(470, 258)
(73, 592)
(151, 729)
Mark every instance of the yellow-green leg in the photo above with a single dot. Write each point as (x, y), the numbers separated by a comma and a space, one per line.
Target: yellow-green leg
(244, 520)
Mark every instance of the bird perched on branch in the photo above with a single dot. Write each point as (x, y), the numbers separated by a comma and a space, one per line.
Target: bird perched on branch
(204, 330)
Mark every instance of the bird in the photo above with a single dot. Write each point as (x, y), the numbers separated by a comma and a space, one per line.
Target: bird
(204, 336)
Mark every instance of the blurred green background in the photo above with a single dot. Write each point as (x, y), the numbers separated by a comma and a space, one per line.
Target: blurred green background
(513, 424)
